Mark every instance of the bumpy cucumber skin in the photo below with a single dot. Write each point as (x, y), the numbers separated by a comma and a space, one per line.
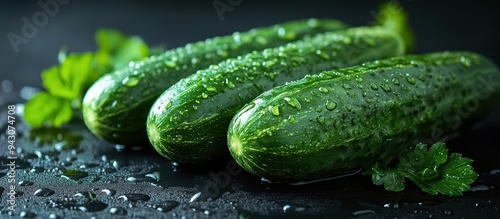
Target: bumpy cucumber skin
(188, 123)
(369, 115)
(115, 108)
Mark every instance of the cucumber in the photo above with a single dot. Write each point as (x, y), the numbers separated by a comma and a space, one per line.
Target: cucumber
(188, 122)
(338, 121)
(116, 106)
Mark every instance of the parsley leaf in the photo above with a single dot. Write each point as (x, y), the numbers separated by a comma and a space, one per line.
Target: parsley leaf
(47, 109)
(66, 84)
(69, 79)
(430, 169)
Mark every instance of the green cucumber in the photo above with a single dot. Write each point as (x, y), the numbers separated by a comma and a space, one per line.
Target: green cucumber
(115, 108)
(188, 123)
(338, 121)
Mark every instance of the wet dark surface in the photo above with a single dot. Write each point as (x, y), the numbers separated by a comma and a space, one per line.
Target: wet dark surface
(69, 173)
(96, 179)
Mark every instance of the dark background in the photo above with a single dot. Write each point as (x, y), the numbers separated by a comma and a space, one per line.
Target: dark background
(438, 25)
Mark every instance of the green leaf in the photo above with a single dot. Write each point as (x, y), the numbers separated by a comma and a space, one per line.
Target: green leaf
(392, 16)
(116, 50)
(392, 180)
(455, 178)
(430, 169)
(422, 163)
(70, 78)
(46, 109)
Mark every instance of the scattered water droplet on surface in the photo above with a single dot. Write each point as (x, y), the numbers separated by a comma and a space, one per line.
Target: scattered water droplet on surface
(25, 183)
(195, 197)
(74, 174)
(27, 214)
(109, 192)
(166, 206)
(362, 212)
(44, 192)
(118, 211)
(480, 188)
(374, 86)
(133, 197)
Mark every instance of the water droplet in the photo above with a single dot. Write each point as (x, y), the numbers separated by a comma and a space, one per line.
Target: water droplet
(211, 88)
(322, 54)
(346, 86)
(269, 63)
(330, 105)
(480, 188)
(359, 79)
(286, 208)
(130, 81)
(320, 120)
(172, 64)
(396, 81)
(364, 94)
(374, 86)
(386, 87)
(449, 213)
(167, 206)
(293, 102)
(494, 172)
(154, 175)
(350, 94)
(118, 211)
(27, 214)
(230, 85)
(74, 174)
(348, 107)
(411, 80)
(323, 90)
(308, 100)
(195, 197)
(109, 192)
(465, 61)
(275, 110)
(312, 23)
(168, 104)
(25, 183)
(346, 41)
(178, 137)
(204, 95)
(362, 212)
(287, 35)
(133, 197)
(291, 119)
(44, 192)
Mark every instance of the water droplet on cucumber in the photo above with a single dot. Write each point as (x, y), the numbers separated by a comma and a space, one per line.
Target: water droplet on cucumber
(411, 80)
(330, 105)
(275, 110)
(323, 90)
(130, 81)
(293, 102)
